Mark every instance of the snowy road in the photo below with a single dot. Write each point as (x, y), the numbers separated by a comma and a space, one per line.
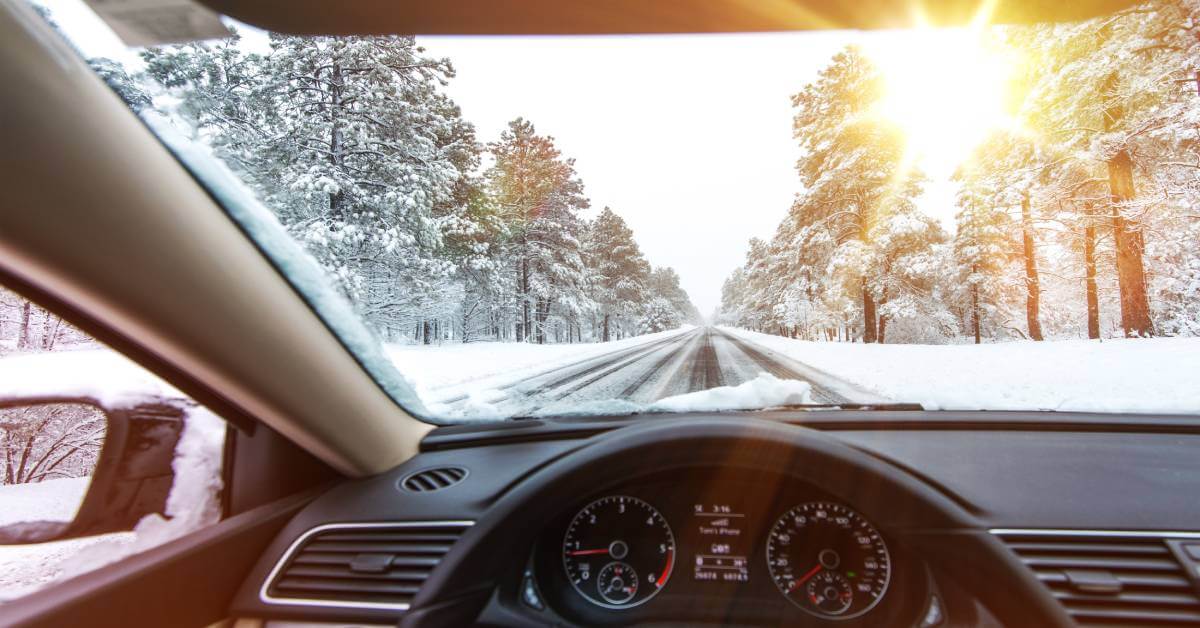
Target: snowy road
(698, 359)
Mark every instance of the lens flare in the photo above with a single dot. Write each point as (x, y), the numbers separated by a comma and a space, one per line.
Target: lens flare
(945, 88)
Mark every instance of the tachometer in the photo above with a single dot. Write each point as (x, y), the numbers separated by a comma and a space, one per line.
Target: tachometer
(618, 552)
(828, 560)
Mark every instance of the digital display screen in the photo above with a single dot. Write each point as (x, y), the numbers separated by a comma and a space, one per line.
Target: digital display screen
(722, 551)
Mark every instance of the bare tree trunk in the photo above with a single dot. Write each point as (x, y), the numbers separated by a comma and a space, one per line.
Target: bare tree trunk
(526, 320)
(1127, 235)
(1032, 287)
(25, 341)
(882, 321)
(606, 333)
(336, 204)
(1089, 268)
(541, 316)
(51, 325)
(975, 306)
(868, 315)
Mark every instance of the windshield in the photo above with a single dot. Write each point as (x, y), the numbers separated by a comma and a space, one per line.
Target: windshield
(1000, 218)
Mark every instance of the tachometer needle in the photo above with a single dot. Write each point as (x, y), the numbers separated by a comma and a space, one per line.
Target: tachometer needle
(811, 572)
(587, 552)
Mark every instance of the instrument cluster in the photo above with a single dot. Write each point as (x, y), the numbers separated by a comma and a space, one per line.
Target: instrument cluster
(751, 549)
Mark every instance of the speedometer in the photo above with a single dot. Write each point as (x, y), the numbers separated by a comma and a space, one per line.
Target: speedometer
(618, 552)
(828, 560)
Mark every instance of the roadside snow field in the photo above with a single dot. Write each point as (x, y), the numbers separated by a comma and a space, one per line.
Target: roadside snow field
(49, 500)
(1120, 375)
(102, 374)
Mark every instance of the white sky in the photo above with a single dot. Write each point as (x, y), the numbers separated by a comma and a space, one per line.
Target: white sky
(688, 138)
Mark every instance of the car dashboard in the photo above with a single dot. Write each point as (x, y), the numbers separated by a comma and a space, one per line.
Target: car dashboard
(784, 519)
(702, 545)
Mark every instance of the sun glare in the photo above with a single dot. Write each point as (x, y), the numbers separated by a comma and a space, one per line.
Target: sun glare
(945, 88)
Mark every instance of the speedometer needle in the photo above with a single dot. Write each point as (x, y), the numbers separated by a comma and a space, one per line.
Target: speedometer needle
(587, 552)
(811, 572)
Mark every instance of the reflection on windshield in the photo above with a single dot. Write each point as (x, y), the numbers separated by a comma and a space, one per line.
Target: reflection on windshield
(976, 218)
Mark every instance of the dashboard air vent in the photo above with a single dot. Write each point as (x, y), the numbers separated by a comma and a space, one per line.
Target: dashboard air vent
(1109, 579)
(431, 480)
(361, 565)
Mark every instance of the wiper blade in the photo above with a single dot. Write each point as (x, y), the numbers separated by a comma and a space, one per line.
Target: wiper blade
(905, 406)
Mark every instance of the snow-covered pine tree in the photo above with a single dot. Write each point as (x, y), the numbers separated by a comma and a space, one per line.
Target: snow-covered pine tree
(658, 315)
(538, 197)
(620, 275)
(664, 283)
(852, 169)
(983, 252)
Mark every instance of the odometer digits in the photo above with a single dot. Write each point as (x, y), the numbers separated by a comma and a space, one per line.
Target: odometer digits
(618, 552)
(828, 560)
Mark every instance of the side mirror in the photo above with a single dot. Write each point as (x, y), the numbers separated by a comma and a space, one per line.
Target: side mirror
(111, 464)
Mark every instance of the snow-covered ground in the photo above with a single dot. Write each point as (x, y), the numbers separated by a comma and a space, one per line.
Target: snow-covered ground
(102, 374)
(1122, 375)
(25, 568)
(51, 500)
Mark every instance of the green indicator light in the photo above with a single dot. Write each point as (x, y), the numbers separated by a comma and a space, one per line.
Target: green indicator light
(849, 574)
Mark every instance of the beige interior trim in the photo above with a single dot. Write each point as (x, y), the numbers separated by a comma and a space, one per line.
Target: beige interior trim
(94, 211)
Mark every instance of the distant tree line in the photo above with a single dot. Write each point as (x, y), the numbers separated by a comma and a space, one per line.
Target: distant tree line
(27, 328)
(352, 144)
(1084, 222)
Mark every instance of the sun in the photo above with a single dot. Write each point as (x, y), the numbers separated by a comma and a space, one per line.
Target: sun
(946, 88)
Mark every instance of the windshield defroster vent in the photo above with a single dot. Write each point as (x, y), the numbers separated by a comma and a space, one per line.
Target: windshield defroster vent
(1110, 579)
(431, 480)
(361, 565)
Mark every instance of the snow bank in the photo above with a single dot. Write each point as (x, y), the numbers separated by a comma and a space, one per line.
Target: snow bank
(51, 500)
(104, 375)
(764, 391)
(1156, 375)
(27, 568)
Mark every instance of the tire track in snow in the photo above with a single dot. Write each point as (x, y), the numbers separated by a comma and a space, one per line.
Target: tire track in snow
(655, 369)
(706, 369)
(595, 362)
(601, 374)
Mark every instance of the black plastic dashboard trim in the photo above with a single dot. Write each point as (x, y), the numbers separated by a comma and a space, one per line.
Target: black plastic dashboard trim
(555, 462)
(946, 491)
(920, 477)
(547, 429)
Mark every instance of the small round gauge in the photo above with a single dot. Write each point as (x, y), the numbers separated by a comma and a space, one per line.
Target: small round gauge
(618, 583)
(828, 560)
(830, 592)
(618, 552)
